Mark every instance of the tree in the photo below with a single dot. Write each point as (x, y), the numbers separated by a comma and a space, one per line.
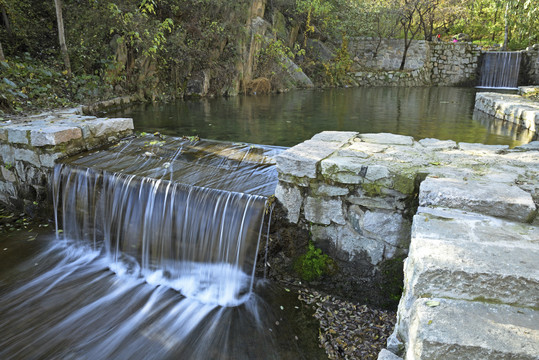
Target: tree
(2, 58)
(61, 36)
(410, 26)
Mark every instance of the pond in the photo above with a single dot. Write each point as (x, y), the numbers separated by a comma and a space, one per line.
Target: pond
(290, 118)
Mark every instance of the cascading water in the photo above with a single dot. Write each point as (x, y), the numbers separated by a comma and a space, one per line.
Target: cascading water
(500, 70)
(179, 224)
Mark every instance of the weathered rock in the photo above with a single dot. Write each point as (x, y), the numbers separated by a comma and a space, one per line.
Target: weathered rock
(386, 138)
(453, 329)
(435, 144)
(290, 197)
(495, 199)
(324, 211)
(387, 355)
(349, 245)
(457, 268)
(53, 135)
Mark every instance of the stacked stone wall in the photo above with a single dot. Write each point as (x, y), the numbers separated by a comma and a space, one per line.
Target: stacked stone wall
(30, 147)
(472, 243)
(529, 74)
(427, 63)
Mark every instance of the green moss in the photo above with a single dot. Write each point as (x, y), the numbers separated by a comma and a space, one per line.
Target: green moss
(372, 189)
(313, 264)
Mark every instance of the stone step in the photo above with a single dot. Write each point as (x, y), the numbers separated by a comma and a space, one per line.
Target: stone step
(455, 329)
(488, 198)
(473, 257)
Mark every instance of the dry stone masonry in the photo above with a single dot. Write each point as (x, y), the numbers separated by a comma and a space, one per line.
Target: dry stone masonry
(465, 214)
(511, 108)
(30, 147)
(427, 63)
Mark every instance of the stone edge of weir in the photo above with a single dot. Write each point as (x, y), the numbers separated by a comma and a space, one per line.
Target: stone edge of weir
(30, 147)
(464, 214)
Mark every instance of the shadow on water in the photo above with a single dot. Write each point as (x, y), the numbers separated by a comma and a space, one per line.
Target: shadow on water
(444, 113)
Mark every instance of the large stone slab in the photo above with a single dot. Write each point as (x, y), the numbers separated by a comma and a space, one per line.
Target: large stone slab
(302, 160)
(470, 259)
(489, 198)
(452, 329)
(53, 135)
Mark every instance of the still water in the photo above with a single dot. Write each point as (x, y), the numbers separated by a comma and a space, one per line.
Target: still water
(288, 119)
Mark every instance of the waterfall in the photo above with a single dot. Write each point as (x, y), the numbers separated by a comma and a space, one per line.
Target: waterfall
(500, 70)
(182, 214)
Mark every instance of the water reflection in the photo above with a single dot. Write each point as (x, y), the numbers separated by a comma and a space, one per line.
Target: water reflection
(288, 119)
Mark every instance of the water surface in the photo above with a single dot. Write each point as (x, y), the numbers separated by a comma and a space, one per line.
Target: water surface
(288, 119)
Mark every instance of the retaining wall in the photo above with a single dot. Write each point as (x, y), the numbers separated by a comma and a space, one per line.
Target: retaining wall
(30, 147)
(428, 63)
(511, 108)
(466, 214)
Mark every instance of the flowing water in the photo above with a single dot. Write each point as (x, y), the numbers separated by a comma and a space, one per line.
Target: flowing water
(155, 259)
(444, 113)
(500, 70)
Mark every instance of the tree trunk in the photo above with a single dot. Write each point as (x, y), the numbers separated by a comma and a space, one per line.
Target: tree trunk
(6, 22)
(506, 31)
(2, 58)
(61, 35)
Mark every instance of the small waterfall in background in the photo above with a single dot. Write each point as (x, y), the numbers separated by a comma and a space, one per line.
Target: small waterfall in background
(155, 259)
(500, 70)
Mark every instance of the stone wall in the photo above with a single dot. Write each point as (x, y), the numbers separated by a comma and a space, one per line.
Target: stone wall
(529, 74)
(470, 277)
(511, 108)
(427, 63)
(30, 147)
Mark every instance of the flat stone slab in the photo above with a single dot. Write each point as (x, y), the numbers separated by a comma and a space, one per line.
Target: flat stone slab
(387, 138)
(452, 329)
(302, 160)
(461, 263)
(489, 198)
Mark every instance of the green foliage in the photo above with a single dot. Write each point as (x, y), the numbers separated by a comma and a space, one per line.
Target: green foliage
(313, 264)
(272, 57)
(337, 69)
(27, 83)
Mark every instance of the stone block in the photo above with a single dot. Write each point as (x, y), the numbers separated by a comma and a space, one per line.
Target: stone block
(453, 329)
(386, 138)
(290, 197)
(323, 211)
(387, 355)
(302, 160)
(330, 190)
(349, 244)
(450, 259)
(494, 199)
(8, 175)
(26, 155)
(53, 135)
(341, 137)
(3, 133)
(49, 160)
(435, 144)
(6, 152)
(362, 149)
(388, 227)
(18, 134)
(344, 170)
(101, 127)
